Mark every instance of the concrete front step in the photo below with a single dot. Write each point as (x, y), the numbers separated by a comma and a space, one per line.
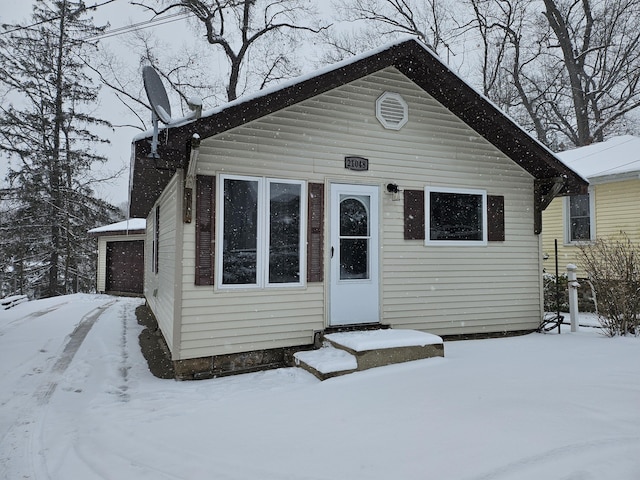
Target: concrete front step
(347, 352)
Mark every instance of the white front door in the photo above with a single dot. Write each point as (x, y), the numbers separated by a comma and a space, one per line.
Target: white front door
(354, 254)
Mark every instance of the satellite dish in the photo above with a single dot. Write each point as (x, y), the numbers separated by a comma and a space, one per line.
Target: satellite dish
(159, 101)
(156, 94)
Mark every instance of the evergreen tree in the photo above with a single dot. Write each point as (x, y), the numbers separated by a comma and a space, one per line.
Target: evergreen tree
(46, 127)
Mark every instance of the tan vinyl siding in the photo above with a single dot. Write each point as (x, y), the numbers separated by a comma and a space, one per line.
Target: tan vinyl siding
(617, 210)
(553, 228)
(444, 290)
(160, 286)
(101, 267)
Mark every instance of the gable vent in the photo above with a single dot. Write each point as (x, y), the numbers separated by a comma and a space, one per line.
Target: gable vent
(392, 111)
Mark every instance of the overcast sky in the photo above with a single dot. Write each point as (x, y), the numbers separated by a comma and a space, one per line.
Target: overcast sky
(118, 14)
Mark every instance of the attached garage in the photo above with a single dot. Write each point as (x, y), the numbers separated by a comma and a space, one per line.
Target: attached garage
(120, 268)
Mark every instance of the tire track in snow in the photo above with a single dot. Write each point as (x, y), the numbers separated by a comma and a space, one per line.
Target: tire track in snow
(556, 455)
(28, 430)
(30, 316)
(71, 348)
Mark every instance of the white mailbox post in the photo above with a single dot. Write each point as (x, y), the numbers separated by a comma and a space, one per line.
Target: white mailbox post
(572, 285)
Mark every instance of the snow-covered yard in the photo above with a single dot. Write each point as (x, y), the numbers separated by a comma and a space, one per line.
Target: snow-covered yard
(542, 406)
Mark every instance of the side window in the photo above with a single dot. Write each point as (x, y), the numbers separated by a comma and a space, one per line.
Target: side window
(262, 227)
(578, 220)
(455, 216)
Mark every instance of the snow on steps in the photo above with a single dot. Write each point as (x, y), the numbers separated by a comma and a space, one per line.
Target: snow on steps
(347, 352)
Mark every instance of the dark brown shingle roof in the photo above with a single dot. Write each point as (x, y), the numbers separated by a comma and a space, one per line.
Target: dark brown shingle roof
(413, 59)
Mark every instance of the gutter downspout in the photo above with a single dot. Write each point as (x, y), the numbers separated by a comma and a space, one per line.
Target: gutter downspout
(190, 179)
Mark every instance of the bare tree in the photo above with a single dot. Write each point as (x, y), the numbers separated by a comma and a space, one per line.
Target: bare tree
(574, 65)
(47, 128)
(258, 37)
(431, 21)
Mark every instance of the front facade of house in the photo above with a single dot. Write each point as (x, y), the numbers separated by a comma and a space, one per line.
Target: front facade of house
(368, 203)
(608, 210)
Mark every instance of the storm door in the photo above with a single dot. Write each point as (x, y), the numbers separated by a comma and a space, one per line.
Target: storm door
(354, 255)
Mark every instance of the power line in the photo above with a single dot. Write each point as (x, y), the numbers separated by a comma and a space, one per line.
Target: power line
(53, 19)
(175, 17)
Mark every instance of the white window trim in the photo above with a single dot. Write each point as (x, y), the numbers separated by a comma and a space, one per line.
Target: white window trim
(427, 216)
(566, 220)
(262, 240)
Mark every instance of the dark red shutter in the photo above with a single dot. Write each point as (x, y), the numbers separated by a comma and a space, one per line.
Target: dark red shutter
(495, 218)
(414, 215)
(315, 233)
(205, 221)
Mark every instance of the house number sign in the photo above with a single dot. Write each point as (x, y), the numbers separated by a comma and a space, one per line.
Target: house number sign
(358, 164)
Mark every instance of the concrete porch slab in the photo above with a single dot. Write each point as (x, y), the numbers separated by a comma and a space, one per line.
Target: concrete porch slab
(362, 341)
(346, 352)
(326, 362)
(377, 348)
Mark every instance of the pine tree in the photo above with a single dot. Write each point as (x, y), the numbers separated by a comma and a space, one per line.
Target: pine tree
(46, 127)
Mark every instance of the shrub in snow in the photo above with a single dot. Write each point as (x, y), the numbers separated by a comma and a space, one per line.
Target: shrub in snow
(613, 269)
(552, 301)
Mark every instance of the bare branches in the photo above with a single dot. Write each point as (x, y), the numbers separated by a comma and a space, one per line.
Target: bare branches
(431, 21)
(238, 26)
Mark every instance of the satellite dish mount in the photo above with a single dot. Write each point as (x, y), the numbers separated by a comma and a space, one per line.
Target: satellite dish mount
(160, 107)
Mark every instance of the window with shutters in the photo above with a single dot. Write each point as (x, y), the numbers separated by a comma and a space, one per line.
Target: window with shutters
(262, 227)
(455, 216)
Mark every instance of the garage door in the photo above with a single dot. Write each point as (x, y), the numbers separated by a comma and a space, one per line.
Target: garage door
(125, 266)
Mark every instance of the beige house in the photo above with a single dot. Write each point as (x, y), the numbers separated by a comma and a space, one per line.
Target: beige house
(381, 191)
(609, 208)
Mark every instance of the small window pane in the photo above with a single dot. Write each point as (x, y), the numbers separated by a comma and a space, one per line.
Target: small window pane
(240, 232)
(580, 229)
(284, 232)
(354, 221)
(455, 216)
(354, 258)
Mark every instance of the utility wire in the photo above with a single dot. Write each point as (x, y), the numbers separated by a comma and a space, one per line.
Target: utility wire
(53, 19)
(175, 17)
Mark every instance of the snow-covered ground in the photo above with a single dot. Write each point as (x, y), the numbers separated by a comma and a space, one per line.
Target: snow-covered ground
(84, 406)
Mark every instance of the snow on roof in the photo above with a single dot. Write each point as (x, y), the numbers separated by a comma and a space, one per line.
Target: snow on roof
(287, 83)
(126, 225)
(616, 156)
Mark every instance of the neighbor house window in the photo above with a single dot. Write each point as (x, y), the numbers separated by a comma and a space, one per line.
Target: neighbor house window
(578, 218)
(455, 216)
(262, 225)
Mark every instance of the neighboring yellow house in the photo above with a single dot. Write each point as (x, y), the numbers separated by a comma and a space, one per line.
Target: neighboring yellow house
(611, 207)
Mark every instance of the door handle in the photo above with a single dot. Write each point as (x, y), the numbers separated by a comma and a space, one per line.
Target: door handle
(331, 252)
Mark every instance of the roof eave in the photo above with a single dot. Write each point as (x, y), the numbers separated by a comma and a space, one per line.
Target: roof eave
(149, 176)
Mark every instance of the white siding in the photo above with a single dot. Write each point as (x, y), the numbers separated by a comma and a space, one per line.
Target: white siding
(160, 289)
(101, 267)
(445, 290)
